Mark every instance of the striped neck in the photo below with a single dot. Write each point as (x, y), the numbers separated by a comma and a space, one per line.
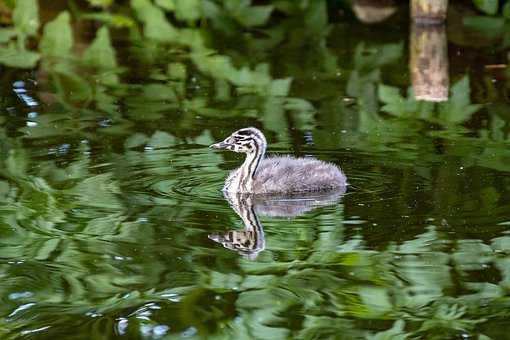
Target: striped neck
(250, 241)
(248, 171)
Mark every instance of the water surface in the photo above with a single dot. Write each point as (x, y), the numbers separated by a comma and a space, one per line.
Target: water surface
(107, 211)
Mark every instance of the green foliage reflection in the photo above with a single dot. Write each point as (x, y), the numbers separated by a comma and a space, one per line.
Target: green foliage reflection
(108, 191)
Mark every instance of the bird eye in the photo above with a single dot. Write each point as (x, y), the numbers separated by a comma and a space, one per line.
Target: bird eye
(244, 132)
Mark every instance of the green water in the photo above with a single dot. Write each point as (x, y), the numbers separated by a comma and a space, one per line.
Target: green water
(108, 209)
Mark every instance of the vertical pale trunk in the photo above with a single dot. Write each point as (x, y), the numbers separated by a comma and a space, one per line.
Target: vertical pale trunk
(428, 11)
(428, 62)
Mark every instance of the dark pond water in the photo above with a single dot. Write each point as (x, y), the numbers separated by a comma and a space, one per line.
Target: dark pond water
(109, 212)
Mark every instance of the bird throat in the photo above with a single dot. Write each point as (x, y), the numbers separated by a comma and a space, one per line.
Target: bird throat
(245, 175)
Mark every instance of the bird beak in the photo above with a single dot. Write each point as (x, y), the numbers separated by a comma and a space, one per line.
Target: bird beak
(220, 145)
(216, 237)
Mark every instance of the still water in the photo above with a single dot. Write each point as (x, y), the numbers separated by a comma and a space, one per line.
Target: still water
(113, 224)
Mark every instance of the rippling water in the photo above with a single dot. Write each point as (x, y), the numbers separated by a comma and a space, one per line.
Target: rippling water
(116, 242)
(113, 225)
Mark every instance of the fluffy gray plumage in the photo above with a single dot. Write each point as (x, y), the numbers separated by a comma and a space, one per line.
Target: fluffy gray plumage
(287, 174)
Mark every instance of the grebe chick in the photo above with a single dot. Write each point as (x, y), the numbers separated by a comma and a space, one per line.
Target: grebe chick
(275, 175)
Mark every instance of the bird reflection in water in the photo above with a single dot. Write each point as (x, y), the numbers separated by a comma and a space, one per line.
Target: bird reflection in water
(250, 241)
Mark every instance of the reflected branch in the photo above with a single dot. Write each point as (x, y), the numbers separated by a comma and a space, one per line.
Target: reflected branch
(428, 62)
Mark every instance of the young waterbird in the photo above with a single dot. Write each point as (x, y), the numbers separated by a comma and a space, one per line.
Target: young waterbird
(276, 175)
